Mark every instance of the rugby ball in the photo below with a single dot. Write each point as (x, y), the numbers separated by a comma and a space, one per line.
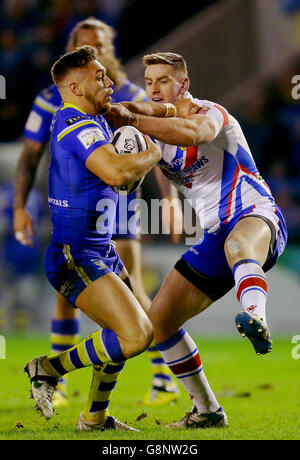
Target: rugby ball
(128, 139)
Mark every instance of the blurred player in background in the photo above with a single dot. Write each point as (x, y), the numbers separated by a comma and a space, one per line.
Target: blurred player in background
(244, 229)
(80, 261)
(23, 264)
(65, 323)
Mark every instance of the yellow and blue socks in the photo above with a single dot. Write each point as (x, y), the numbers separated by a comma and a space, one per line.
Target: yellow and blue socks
(161, 372)
(251, 286)
(182, 356)
(64, 335)
(103, 383)
(101, 347)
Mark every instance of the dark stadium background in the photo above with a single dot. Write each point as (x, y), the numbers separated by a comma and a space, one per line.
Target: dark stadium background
(33, 34)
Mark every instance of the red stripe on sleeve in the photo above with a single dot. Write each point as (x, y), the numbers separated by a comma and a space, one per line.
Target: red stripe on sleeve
(224, 113)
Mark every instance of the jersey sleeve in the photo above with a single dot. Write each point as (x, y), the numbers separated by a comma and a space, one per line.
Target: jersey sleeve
(82, 138)
(216, 113)
(138, 94)
(129, 92)
(38, 123)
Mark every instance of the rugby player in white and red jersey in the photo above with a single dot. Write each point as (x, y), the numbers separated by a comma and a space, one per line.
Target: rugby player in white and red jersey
(206, 156)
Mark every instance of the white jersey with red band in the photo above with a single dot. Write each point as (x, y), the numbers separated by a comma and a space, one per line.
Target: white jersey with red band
(220, 178)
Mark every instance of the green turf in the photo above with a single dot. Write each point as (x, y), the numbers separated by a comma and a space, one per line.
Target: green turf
(261, 395)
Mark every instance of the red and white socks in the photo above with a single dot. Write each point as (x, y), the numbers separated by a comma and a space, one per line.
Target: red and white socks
(181, 354)
(251, 286)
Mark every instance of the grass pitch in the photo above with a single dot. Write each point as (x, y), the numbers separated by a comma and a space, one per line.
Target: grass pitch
(260, 394)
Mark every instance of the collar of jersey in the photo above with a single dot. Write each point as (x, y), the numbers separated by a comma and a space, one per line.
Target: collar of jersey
(68, 105)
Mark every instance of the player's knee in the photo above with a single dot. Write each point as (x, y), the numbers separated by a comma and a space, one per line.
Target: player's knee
(140, 340)
(235, 246)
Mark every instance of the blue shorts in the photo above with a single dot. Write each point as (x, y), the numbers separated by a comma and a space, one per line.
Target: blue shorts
(70, 270)
(205, 263)
(127, 223)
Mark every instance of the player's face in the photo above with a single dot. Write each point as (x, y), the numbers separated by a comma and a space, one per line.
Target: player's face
(93, 37)
(163, 84)
(96, 86)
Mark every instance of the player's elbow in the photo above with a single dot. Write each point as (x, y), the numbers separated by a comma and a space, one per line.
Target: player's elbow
(120, 177)
(196, 134)
(116, 178)
(32, 151)
(206, 133)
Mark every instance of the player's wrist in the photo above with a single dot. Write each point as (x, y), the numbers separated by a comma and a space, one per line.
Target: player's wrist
(18, 208)
(171, 110)
(135, 121)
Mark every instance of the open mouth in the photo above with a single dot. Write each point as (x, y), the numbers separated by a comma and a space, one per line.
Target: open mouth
(157, 99)
(108, 97)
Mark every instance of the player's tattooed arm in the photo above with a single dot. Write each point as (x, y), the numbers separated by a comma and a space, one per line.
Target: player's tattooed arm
(26, 171)
(24, 179)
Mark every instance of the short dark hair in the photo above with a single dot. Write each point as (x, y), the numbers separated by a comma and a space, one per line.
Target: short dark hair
(73, 60)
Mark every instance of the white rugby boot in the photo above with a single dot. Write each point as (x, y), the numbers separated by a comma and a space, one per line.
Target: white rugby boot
(42, 386)
(194, 420)
(111, 423)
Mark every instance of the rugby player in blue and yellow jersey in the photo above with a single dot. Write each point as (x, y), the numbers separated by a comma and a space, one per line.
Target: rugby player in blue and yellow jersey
(65, 324)
(80, 261)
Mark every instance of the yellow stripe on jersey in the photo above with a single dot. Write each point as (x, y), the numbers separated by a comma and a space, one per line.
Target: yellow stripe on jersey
(75, 126)
(68, 105)
(47, 106)
(71, 265)
(140, 96)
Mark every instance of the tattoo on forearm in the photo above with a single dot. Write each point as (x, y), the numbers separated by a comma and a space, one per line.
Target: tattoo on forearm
(24, 178)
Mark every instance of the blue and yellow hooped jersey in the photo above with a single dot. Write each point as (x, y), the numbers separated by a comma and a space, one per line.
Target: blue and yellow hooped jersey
(82, 205)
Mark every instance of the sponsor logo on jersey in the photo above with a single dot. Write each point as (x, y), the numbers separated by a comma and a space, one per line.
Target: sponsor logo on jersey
(194, 251)
(34, 122)
(89, 136)
(177, 162)
(66, 288)
(99, 263)
(185, 176)
(281, 243)
(61, 203)
(72, 120)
